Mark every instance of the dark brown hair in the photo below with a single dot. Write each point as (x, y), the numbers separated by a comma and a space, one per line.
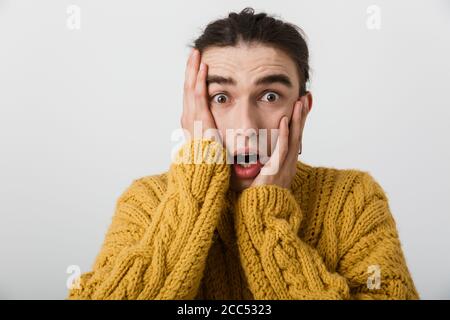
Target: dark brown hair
(249, 27)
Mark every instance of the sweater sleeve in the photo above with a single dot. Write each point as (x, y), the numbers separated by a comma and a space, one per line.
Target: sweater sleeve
(158, 249)
(280, 265)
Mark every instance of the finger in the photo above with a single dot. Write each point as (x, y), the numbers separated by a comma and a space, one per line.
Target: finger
(191, 70)
(281, 148)
(201, 101)
(295, 130)
(305, 111)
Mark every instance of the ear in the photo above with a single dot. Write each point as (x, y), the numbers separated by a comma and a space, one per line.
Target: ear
(307, 99)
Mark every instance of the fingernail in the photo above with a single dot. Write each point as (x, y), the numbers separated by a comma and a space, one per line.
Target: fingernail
(202, 66)
(286, 121)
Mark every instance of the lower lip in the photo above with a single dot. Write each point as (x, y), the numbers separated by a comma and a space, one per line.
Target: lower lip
(247, 173)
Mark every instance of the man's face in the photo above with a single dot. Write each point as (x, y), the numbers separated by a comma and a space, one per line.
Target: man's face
(244, 100)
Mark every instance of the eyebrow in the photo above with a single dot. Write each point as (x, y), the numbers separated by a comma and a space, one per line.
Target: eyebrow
(273, 78)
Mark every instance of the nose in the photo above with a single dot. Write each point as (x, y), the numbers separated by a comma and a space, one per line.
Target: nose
(246, 123)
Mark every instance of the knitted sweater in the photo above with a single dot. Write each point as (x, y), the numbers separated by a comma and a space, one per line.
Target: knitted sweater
(184, 234)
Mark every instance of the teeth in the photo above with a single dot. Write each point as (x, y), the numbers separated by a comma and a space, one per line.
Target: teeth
(246, 160)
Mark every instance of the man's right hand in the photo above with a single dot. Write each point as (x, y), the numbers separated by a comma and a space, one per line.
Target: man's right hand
(195, 99)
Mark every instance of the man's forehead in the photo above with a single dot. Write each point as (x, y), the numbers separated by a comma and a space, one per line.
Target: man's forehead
(236, 62)
(247, 57)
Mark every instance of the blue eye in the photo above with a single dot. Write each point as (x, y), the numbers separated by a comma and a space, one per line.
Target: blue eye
(271, 96)
(220, 98)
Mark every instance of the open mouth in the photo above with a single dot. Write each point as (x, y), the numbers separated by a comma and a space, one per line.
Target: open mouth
(246, 159)
(246, 165)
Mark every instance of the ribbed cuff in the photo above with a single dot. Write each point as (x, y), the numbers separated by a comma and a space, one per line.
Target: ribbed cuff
(200, 163)
(262, 204)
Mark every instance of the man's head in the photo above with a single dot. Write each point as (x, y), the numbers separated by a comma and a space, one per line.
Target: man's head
(257, 68)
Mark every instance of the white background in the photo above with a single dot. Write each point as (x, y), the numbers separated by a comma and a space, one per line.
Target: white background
(84, 112)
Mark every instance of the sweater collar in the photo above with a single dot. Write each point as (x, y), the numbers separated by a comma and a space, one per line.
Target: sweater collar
(225, 226)
(301, 177)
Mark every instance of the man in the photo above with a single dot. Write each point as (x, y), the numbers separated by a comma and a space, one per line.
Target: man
(265, 226)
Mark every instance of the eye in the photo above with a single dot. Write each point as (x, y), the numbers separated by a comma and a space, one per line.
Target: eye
(271, 96)
(220, 98)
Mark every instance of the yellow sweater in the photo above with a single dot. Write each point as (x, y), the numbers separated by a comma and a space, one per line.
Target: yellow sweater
(184, 234)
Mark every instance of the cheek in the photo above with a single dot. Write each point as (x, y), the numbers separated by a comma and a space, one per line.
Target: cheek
(274, 114)
(268, 118)
(223, 121)
(271, 120)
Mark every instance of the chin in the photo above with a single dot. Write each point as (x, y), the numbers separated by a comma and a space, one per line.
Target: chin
(239, 185)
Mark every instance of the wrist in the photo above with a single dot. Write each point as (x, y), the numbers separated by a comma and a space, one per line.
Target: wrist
(201, 164)
(273, 201)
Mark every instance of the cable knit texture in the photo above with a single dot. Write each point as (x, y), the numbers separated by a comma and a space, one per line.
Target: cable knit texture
(184, 234)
